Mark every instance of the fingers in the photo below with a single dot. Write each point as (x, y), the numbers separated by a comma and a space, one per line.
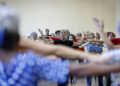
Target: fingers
(40, 30)
(84, 34)
(102, 23)
(99, 23)
(95, 20)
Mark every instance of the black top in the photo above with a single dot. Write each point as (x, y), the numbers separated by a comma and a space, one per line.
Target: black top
(47, 36)
(66, 43)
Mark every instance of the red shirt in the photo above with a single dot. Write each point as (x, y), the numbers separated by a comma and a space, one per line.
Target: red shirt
(78, 39)
(116, 41)
(53, 38)
(80, 49)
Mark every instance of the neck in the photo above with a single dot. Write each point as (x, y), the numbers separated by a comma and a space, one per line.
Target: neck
(6, 56)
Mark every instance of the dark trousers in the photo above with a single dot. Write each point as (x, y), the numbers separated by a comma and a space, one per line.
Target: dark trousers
(100, 81)
(64, 84)
(108, 80)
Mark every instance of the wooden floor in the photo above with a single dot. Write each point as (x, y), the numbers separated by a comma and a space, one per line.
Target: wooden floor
(80, 82)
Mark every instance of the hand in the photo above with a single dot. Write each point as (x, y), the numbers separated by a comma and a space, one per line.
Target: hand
(40, 31)
(99, 23)
(84, 35)
(99, 59)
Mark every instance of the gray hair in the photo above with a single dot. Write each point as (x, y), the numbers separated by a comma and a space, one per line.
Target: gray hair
(9, 18)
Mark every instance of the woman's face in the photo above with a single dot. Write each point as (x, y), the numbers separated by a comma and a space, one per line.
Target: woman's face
(111, 36)
(71, 38)
(97, 36)
(78, 35)
(92, 36)
(63, 35)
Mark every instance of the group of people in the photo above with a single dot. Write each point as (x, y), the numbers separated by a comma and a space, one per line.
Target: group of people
(86, 42)
(24, 61)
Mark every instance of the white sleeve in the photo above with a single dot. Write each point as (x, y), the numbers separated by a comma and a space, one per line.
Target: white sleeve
(114, 56)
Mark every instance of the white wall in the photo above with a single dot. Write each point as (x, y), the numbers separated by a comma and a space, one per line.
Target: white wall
(74, 15)
(117, 11)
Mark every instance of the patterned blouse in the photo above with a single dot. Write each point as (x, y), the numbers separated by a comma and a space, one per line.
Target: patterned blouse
(27, 69)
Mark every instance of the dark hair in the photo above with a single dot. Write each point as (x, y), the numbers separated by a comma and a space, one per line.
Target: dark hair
(8, 39)
(108, 34)
(98, 33)
(72, 36)
(46, 29)
(57, 32)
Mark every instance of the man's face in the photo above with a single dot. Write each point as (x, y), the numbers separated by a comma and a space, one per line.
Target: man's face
(47, 31)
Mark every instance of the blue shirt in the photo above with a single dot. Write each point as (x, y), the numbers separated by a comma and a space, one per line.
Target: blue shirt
(27, 69)
(96, 48)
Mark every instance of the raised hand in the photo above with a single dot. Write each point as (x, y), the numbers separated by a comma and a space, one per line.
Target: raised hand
(98, 23)
(84, 35)
(40, 31)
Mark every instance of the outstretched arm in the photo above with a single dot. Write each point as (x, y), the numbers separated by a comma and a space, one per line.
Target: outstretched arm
(41, 32)
(80, 42)
(48, 41)
(84, 45)
(99, 43)
(60, 51)
(93, 69)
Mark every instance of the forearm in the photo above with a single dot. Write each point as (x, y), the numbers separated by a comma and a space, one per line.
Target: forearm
(84, 45)
(99, 41)
(81, 41)
(93, 69)
(108, 43)
(60, 51)
(116, 46)
(70, 53)
(40, 48)
(96, 43)
(100, 25)
(78, 43)
(43, 38)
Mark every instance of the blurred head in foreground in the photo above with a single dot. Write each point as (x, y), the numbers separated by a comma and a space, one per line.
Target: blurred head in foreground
(9, 25)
